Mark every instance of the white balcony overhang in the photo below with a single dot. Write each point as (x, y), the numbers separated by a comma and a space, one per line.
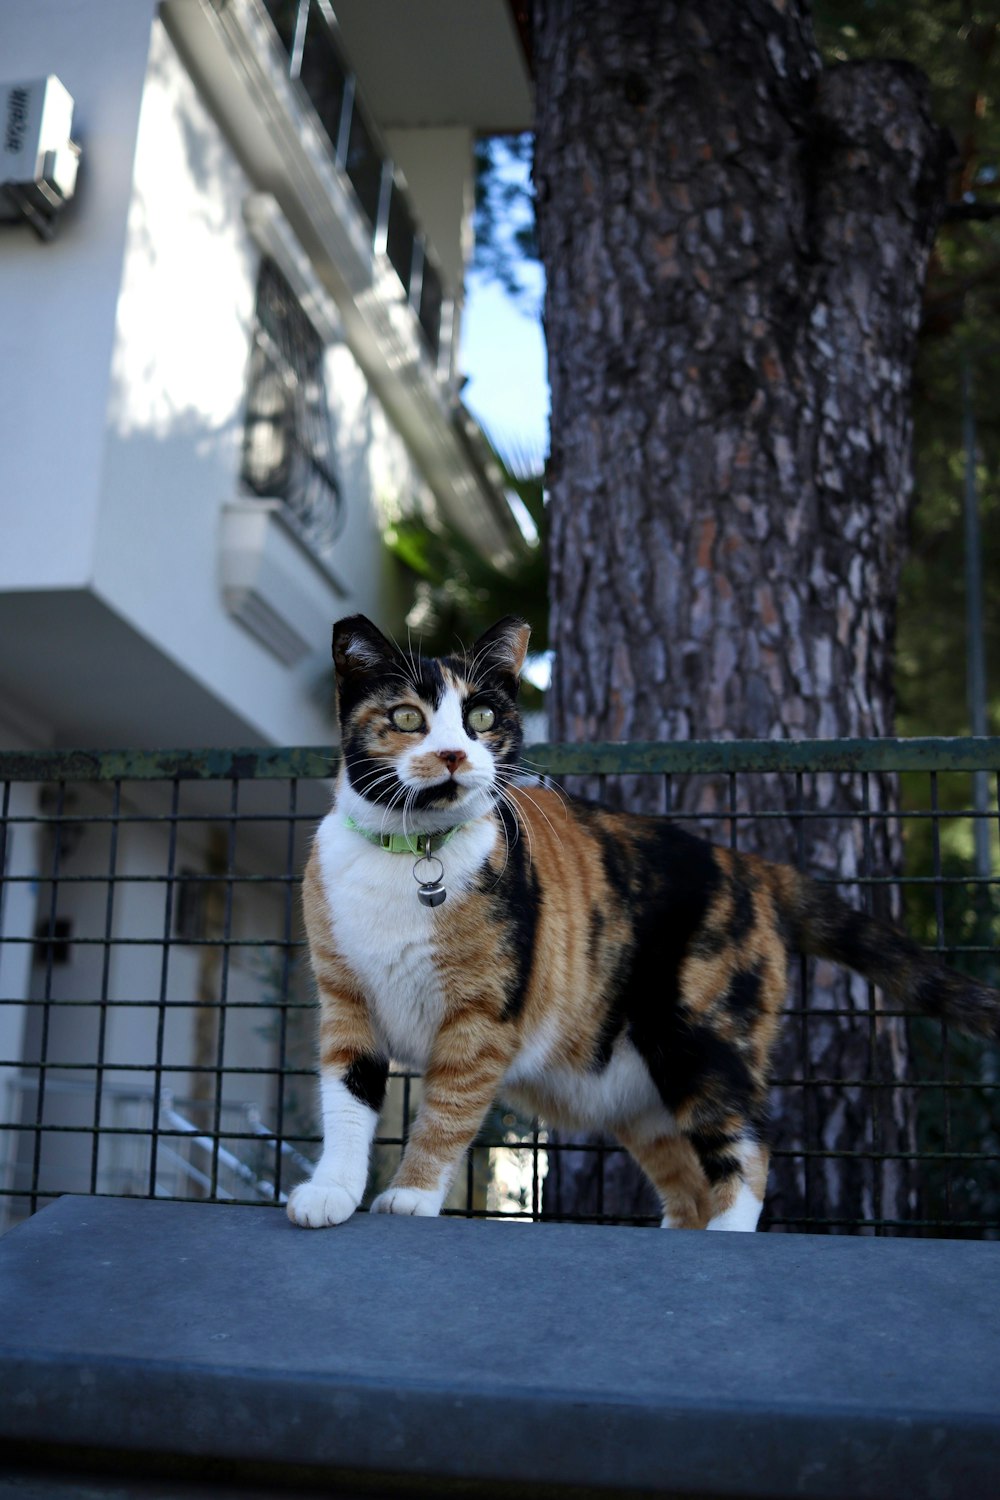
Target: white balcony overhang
(231, 52)
(451, 62)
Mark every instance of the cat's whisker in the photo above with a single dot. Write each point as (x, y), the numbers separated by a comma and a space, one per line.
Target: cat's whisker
(491, 648)
(406, 658)
(519, 822)
(519, 827)
(388, 807)
(541, 811)
(365, 789)
(412, 677)
(413, 664)
(408, 801)
(379, 772)
(532, 767)
(508, 846)
(482, 655)
(498, 791)
(375, 777)
(376, 768)
(416, 665)
(378, 763)
(398, 795)
(506, 837)
(379, 796)
(523, 791)
(548, 786)
(511, 775)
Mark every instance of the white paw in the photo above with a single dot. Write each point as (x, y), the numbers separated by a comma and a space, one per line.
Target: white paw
(742, 1215)
(404, 1200)
(314, 1205)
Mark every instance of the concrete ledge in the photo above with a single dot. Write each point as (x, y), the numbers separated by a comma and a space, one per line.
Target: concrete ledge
(505, 1357)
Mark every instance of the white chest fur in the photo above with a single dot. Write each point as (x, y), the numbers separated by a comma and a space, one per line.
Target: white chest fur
(387, 935)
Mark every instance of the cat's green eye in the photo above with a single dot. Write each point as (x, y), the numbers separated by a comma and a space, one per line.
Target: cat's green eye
(407, 718)
(481, 718)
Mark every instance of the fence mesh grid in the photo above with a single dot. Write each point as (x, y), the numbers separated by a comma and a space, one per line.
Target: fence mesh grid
(157, 1017)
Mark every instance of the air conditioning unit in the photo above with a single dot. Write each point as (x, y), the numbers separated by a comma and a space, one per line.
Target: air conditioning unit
(38, 157)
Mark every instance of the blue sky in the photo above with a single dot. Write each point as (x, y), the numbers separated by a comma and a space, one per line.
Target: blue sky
(502, 351)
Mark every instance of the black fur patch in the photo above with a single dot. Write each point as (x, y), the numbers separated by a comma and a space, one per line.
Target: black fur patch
(372, 778)
(665, 880)
(715, 1152)
(518, 895)
(429, 796)
(366, 1080)
(694, 1062)
(741, 919)
(709, 942)
(597, 925)
(743, 996)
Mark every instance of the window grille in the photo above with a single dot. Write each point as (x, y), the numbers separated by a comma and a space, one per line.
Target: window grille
(288, 434)
(157, 1018)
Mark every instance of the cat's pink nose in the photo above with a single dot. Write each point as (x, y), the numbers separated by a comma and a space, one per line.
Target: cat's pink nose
(452, 758)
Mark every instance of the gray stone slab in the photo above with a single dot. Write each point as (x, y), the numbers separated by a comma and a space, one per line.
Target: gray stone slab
(700, 1364)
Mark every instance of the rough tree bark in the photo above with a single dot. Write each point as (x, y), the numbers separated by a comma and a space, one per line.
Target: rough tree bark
(735, 242)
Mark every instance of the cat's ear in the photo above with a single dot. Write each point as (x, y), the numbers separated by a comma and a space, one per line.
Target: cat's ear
(359, 647)
(501, 650)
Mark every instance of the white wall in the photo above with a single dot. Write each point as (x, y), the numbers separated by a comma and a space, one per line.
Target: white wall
(123, 361)
(57, 300)
(175, 422)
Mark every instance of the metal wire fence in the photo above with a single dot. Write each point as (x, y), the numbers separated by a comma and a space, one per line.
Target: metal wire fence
(157, 1017)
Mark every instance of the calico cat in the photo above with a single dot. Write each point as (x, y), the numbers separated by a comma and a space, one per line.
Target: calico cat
(601, 969)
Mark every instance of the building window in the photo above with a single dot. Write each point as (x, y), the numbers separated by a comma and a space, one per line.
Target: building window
(288, 437)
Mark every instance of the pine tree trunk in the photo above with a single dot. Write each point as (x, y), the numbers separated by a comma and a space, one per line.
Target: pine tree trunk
(735, 243)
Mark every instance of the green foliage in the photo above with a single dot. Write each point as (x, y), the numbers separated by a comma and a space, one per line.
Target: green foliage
(506, 243)
(953, 41)
(458, 593)
(931, 641)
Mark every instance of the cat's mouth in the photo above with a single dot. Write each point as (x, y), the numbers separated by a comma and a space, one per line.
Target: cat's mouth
(442, 793)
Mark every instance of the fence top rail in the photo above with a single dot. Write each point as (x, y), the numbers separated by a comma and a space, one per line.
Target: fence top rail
(628, 758)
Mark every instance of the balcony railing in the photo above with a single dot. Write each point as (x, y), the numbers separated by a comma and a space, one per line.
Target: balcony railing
(308, 36)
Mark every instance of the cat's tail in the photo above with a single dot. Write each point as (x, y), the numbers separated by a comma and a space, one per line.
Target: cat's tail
(825, 926)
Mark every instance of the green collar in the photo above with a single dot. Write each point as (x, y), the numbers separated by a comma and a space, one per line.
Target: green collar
(406, 843)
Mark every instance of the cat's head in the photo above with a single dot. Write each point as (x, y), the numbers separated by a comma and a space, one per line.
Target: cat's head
(426, 741)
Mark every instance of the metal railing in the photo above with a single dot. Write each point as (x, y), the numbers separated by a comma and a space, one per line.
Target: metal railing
(157, 1017)
(312, 50)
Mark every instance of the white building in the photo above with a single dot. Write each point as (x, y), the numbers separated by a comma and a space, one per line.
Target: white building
(232, 364)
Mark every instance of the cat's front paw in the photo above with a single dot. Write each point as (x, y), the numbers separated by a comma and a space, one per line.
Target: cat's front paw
(315, 1205)
(407, 1200)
